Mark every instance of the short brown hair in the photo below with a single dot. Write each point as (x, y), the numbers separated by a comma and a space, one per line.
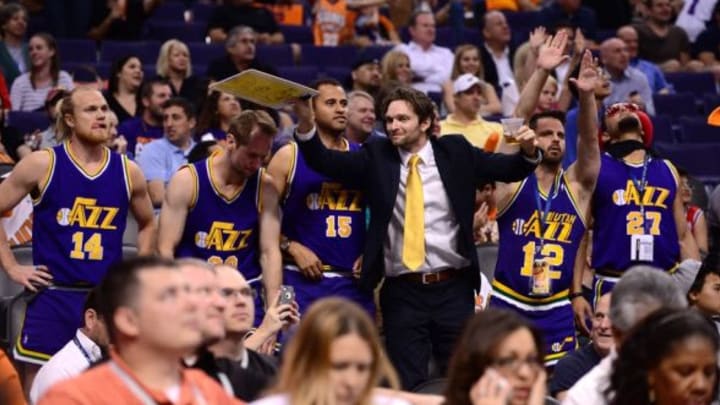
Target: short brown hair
(242, 125)
(420, 103)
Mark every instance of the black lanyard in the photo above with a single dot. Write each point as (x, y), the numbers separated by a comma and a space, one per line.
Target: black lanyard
(82, 350)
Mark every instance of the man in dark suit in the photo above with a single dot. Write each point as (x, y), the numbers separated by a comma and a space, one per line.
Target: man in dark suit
(422, 244)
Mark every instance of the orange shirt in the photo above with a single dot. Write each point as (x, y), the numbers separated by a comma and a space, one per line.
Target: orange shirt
(330, 27)
(287, 14)
(102, 385)
(11, 392)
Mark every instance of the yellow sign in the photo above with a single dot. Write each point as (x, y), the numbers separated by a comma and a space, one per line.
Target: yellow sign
(263, 88)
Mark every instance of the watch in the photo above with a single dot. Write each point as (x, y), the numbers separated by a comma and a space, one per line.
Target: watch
(284, 244)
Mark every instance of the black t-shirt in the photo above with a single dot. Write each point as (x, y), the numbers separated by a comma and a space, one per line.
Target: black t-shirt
(228, 17)
(708, 41)
(572, 367)
(247, 383)
(223, 67)
(128, 29)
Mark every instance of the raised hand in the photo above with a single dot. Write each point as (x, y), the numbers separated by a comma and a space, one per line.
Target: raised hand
(579, 42)
(552, 52)
(528, 141)
(537, 38)
(588, 77)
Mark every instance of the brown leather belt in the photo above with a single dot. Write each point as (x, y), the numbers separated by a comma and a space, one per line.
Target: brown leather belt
(431, 278)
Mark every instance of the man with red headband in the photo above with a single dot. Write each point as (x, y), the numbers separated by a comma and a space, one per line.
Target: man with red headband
(638, 214)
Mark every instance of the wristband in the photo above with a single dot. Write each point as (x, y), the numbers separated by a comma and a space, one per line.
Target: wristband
(574, 295)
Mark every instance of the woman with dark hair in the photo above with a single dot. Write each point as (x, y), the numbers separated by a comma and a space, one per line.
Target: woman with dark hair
(126, 76)
(29, 91)
(14, 57)
(669, 358)
(218, 110)
(498, 360)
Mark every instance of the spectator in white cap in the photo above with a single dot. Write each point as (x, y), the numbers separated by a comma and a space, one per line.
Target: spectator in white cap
(466, 120)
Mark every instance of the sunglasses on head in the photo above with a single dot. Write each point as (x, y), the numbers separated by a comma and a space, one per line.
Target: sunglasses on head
(618, 107)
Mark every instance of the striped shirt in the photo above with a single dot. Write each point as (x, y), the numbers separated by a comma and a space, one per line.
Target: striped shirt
(26, 98)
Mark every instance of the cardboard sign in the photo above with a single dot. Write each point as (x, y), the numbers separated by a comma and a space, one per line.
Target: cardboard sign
(263, 88)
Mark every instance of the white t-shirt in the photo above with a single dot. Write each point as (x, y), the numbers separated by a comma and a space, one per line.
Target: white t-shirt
(283, 399)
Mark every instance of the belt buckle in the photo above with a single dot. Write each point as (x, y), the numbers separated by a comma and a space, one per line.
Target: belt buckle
(429, 278)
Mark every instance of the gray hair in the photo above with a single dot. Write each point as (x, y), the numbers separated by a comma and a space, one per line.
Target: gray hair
(234, 35)
(642, 290)
(360, 93)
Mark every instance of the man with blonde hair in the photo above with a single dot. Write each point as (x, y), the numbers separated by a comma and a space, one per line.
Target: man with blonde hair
(82, 194)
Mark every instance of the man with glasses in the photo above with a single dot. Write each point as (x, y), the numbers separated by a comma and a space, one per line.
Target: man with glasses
(466, 120)
(638, 212)
(249, 371)
(211, 209)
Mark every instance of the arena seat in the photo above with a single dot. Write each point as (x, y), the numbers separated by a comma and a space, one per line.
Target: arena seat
(28, 121)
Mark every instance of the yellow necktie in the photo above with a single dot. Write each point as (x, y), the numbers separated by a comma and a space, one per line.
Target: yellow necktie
(413, 254)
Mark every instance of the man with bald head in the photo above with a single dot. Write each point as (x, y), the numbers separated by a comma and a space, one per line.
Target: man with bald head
(655, 76)
(628, 84)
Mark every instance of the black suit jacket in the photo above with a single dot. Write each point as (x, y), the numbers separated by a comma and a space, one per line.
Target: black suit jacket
(376, 170)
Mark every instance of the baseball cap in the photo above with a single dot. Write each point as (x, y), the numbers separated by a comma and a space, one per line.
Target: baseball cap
(365, 60)
(464, 82)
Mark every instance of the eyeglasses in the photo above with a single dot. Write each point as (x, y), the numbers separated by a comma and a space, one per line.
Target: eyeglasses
(246, 292)
(618, 107)
(513, 364)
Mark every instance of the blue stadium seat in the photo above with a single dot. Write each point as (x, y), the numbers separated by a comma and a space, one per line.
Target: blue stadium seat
(526, 20)
(77, 50)
(710, 102)
(436, 97)
(445, 36)
(697, 130)
(147, 51)
(202, 12)
(186, 32)
(28, 121)
(169, 11)
(276, 55)
(698, 83)
(339, 73)
(675, 105)
(377, 52)
(328, 55)
(297, 34)
(472, 36)
(201, 52)
(663, 129)
(700, 160)
(299, 74)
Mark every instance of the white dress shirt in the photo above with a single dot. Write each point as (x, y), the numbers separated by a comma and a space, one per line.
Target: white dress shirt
(432, 65)
(506, 78)
(441, 226)
(66, 363)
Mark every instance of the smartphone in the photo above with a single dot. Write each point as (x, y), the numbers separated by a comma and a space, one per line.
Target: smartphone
(287, 295)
